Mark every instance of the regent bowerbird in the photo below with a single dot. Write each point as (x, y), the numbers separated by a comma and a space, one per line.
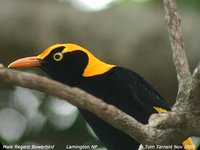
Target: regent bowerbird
(76, 66)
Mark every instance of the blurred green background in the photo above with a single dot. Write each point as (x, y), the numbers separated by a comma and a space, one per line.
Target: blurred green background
(129, 33)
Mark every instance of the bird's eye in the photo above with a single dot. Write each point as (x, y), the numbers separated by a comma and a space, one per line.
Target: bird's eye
(58, 56)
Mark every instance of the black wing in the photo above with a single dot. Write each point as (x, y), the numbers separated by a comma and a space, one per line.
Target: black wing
(143, 96)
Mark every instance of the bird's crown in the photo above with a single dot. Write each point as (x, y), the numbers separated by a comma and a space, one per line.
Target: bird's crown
(65, 49)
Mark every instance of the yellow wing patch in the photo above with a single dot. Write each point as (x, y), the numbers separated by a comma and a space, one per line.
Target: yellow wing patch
(188, 144)
(159, 110)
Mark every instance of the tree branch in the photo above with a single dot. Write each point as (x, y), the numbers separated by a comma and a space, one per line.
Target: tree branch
(77, 97)
(179, 124)
(186, 110)
(167, 120)
(145, 134)
(175, 35)
(179, 56)
(196, 73)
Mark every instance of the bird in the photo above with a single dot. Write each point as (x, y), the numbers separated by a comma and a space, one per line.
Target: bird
(76, 66)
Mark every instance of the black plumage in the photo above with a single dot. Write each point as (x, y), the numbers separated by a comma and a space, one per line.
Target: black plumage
(76, 66)
(119, 86)
(130, 93)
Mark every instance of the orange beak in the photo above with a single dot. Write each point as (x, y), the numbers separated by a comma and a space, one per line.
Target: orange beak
(26, 62)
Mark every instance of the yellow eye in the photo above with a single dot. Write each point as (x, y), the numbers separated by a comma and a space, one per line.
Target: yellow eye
(58, 56)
